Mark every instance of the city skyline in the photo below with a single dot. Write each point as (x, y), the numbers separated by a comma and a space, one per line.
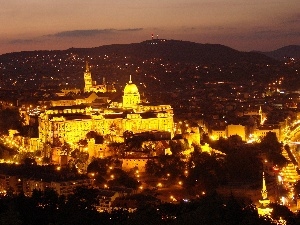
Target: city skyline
(55, 25)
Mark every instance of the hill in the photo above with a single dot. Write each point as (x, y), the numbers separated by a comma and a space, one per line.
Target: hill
(179, 51)
(172, 50)
(291, 51)
(154, 62)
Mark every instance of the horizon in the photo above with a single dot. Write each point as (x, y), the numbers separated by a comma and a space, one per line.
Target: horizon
(259, 25)
(65, 49)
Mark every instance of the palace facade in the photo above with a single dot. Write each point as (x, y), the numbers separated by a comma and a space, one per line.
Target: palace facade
(71, 124)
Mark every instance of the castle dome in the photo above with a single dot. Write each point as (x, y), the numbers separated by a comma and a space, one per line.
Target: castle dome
(131, 88)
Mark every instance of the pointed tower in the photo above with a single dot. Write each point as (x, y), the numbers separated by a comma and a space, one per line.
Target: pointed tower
(264, 208)
(260, 114)
(88, 82)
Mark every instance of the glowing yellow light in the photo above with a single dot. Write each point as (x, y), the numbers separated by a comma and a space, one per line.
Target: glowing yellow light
(213, 137)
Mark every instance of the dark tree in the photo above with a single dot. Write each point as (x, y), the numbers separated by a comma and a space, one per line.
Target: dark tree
(10, 119)
(273, 149)
(29, 162)
(99, 166)
(99, 139)
(177, 146)
(127, 135)
(205, 172)
(121, 178)
(152, 168)
(243, 165)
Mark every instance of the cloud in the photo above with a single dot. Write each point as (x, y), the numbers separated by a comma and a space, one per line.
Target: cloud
(269, 33)
(131, 29)
(89, 33)
(23, 41)
(292, 20)
(261, 34)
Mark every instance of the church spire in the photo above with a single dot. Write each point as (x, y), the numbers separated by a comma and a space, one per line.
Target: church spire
(264, 192)
(130, 81)
(264, 208)
(87, 68)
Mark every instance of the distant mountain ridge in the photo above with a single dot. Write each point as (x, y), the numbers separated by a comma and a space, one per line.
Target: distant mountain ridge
(291, 51)
(157, 62)
(182, 51)
(172, 50)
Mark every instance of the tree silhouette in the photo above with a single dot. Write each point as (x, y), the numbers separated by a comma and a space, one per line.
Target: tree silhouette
(121, 178)
(205, 172)
(273, 149)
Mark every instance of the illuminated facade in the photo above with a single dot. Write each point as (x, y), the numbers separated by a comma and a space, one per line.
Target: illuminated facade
(229, 130)
(71, 123)
(239, 130)
(262, 131)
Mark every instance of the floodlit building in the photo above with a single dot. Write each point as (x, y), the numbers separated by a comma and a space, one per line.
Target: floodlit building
(217, 133)
(239, 130)
(262, 131)
(70, 124)
(229, 130)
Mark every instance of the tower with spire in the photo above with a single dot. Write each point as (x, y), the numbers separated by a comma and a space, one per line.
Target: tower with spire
(261, 114)
(264, 208)
(88, 82)
(92, 86)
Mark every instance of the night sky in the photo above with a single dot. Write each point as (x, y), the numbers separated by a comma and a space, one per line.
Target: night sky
(60, 24)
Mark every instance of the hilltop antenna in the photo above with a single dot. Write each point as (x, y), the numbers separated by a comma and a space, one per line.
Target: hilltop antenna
(157, 36)
(152, 37)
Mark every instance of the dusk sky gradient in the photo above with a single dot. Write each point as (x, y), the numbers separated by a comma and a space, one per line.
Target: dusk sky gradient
(60, 24)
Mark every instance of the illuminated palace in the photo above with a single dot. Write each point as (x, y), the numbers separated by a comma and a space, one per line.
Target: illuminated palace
(72, 123)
